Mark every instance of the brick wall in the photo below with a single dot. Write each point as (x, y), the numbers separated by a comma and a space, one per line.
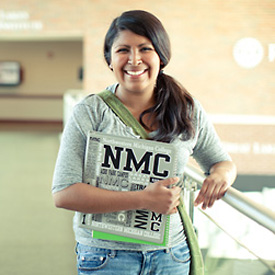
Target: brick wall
(203, 35)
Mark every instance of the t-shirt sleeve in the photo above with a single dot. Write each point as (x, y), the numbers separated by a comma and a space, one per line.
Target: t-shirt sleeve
(69, 163)
(208, 149)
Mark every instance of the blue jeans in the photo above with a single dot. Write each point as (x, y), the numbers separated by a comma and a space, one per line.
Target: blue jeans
(174, 261)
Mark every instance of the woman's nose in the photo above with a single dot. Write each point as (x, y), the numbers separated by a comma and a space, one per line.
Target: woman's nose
(134, 58)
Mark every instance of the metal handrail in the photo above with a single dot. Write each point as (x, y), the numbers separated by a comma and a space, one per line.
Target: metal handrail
(255, 211)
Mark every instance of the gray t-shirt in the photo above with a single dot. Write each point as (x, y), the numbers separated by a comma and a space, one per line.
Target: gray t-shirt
(92, 114)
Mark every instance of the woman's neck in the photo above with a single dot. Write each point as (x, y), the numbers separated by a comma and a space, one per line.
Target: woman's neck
(137, 102)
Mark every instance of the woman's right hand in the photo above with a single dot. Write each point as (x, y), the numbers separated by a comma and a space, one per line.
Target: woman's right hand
(86, 198)
(161, 199)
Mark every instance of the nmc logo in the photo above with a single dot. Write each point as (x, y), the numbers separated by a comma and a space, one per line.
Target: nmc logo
(248, 52)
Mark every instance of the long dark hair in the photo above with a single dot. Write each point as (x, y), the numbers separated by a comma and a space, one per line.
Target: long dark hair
(173, 111)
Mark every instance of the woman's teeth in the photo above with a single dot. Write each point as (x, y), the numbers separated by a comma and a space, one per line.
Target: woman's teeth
(135, 72)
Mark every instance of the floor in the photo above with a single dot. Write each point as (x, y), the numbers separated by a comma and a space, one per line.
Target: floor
(35, 237)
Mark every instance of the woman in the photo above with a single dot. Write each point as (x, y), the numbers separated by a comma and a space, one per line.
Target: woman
(136, 49)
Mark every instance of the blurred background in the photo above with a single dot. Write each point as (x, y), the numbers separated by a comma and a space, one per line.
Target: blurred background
(51, 55)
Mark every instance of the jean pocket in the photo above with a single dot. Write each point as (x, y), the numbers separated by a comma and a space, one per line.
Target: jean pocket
(180, 253)
(93, 259)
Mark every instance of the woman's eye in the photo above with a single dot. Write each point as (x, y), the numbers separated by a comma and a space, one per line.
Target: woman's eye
(122, 50)
(145, 49)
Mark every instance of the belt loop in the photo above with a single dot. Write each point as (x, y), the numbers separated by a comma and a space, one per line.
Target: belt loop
(76, 248)
(112, 253)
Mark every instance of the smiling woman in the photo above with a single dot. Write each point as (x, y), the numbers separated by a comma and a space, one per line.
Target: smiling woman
(136, 49)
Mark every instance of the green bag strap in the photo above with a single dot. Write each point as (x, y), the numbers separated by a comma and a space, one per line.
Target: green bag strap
(123, 113)
(197, 266)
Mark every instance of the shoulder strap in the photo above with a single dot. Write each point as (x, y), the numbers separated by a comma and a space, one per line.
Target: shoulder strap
(197, 264)
(123, 113)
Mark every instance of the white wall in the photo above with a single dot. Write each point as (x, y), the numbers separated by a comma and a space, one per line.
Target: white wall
(31, 109)
(50, 68)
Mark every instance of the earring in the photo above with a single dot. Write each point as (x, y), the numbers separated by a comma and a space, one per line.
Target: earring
(111, 67)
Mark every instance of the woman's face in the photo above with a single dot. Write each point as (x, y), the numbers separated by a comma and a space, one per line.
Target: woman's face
(134, 62)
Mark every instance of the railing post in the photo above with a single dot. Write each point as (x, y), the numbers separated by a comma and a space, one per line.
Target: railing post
(190, 186)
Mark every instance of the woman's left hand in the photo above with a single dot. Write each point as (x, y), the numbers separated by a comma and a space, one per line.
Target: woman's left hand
(222, 176)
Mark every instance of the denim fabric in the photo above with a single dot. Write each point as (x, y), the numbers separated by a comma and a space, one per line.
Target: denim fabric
(174, 261)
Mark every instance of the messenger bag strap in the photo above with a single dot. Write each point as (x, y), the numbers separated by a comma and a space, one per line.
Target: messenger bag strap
(123, 113)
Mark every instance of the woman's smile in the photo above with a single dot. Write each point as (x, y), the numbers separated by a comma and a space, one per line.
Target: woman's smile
(135, 73)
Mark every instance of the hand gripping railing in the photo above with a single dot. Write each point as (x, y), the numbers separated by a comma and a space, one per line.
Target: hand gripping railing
(255, 211)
